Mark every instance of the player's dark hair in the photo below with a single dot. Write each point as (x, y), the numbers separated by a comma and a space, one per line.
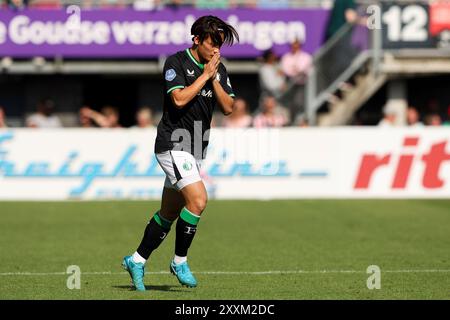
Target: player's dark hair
(214, 27)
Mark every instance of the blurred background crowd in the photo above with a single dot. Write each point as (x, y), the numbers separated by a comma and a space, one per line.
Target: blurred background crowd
(274, 96)
(269, 114)
(158, 4)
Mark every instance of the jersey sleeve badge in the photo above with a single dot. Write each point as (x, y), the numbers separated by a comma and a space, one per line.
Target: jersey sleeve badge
(170, 74)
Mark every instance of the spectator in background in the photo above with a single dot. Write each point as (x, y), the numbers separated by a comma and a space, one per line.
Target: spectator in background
(108, 117)
(112, 116)
(246, 3)
(148, 5)
(144, 118)
(433, 119)
(412, 117)
(271, 77)
(85, 121)
(2, 118)
(343, 12)
(296, 65)
(240, 117)
(389, 118)
(110, 4)
(47, 4)
(177, 4)
(270, 115)
(44, 117)
(212, 4)
(273, 4)
(301, 121)
(17, 5)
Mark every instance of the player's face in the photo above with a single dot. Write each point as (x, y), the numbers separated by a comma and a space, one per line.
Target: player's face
(207, 49)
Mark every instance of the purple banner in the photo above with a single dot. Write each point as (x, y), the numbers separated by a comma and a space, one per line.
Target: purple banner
(148, 34)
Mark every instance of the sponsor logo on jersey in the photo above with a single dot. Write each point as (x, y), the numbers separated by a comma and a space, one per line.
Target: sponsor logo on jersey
(190, 73)
(205, 93)
(170, 74)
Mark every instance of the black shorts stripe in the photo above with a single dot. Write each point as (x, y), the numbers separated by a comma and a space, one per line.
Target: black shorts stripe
(175, 169)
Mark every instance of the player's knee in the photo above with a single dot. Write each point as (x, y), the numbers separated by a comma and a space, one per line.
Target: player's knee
(198, 204)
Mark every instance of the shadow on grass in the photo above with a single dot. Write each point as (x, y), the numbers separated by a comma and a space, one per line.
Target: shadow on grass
(153, 288)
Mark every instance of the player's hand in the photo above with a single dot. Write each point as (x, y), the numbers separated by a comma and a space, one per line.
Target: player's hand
(216, 51)
(212, 66)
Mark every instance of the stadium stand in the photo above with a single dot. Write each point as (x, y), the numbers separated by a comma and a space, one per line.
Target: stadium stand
(356, 73)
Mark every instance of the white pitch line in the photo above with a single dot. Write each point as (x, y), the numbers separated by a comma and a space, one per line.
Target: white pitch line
(272, 272)
(416, 271)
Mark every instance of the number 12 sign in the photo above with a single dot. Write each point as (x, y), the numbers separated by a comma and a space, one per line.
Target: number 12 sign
(406, 26)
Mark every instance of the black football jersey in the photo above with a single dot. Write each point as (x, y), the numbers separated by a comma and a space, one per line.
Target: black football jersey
(187, 128)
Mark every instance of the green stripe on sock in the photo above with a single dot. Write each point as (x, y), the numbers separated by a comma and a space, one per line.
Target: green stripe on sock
(189, 217)
(166, 224)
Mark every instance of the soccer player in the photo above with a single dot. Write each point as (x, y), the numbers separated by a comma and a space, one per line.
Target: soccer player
(195, 81)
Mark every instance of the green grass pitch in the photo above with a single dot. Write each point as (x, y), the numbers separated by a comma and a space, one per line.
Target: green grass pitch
(299, 249)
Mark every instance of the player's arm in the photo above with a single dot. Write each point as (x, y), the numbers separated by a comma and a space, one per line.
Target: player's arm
(223, 90)
(181, 97)
(224, 100)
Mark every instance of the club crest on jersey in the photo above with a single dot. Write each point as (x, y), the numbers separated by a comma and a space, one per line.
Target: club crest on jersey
(190, 73)
(170, 74)
(187, 165)
(218, 76)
